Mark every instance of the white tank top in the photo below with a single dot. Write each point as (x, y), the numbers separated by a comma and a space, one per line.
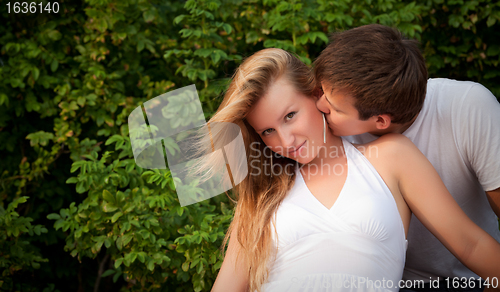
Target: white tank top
(357, 245)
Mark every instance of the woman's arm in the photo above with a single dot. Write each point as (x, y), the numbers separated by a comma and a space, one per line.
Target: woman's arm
(428, 198)
(233, 276)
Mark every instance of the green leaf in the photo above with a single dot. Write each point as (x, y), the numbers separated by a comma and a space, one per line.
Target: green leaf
(141, 256)
(119, 243)
(491, 21)
(149, 15)
(186, 32)
(54, 216)
(114, 138)
(40, 137)
(109, 208)
(227, 27)
(72, 180)
(154, 222)
(151, 265)
(75, 166)
(205, 52)
(140, 46)
(116, 276)
(118, 262)
(127, 238)
(36, 73)
(81, 49)
(493, 50)
(135, 223)
(108, 197)
(54, 65)
(4, 99)
(322, 36)
(107, 242)
(54, 35)
(116, 217)
(133, 256)
(215, 57)
(179, 18)
(108, 273)
(59, 224)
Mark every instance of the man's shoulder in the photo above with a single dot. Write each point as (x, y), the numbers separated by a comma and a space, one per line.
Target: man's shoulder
(448, 88)
(457, 95)
(449, 82)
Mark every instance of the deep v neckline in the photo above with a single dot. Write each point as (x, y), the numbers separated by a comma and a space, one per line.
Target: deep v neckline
(335, 203)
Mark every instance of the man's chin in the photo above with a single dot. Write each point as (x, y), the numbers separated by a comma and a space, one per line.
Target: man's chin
(336, 132)
(339, 133)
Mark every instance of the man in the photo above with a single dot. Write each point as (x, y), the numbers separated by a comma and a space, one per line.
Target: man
(374, 82)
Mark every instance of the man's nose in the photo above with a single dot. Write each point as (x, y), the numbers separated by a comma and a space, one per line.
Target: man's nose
(322, 105)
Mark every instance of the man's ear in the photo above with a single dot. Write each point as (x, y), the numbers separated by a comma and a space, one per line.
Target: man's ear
(383, 121)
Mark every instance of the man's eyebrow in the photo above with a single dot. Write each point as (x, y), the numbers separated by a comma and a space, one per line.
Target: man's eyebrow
(336, 108)
(331, 92)
(326, 97)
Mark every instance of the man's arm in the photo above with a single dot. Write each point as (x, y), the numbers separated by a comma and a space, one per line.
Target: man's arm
(477, 128)
(433, 205)
(494, 199)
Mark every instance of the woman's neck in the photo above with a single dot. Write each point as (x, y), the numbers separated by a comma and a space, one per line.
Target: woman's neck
(330, 152)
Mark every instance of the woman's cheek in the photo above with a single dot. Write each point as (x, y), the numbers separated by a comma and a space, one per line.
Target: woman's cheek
(274, 145)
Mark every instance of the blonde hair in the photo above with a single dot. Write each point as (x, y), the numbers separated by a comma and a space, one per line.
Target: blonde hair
(259, 195)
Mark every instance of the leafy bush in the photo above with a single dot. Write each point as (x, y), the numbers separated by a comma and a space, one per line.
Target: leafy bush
(19, 253)
(69, 81)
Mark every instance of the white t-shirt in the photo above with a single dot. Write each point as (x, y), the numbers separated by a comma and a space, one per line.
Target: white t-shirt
(458, 130)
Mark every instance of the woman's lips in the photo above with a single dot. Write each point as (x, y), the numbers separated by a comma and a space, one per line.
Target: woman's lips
(294, 152)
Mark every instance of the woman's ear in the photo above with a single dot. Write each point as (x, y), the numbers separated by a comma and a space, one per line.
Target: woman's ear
(383, 121)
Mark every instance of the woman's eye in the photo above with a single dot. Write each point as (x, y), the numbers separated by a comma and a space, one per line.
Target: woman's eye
(267, 132)
(290, 115)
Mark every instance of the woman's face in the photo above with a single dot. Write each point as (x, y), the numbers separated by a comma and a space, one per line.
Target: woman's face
(288, 122)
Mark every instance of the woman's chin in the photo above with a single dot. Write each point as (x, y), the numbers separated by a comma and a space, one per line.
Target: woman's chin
(301, 160)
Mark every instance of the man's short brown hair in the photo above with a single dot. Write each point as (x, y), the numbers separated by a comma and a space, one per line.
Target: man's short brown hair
(381, 69)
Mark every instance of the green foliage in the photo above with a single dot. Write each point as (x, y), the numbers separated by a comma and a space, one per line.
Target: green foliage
(15, 235)
(461, 41)
(69, 81)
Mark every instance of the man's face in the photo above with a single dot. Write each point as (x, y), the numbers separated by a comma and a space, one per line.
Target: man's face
(342, 116)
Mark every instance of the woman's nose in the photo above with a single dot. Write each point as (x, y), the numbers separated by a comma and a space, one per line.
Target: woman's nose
(322, 105)
(287, 138)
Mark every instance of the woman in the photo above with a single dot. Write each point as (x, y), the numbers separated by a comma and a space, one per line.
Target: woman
(320, 215)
